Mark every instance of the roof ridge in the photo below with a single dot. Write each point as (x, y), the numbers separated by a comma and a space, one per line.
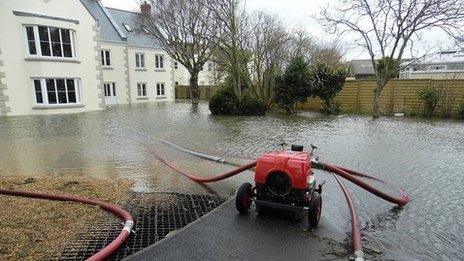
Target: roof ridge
(105, 11)
(122, 10)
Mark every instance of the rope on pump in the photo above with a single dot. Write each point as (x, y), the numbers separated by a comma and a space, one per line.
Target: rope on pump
(105, 252)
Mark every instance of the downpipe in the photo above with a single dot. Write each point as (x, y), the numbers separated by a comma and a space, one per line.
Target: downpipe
(105, 252)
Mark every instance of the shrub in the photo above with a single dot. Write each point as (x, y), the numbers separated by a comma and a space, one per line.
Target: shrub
(332, 107)
(224, 102)
(251, 105)
(430, 96)
(461, 110)
(294, 86)
(326, 82)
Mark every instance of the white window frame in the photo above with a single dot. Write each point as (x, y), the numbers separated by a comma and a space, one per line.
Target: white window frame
(139, 86)
(159, 62)
(43, 87)
(106, 57)
(160, 84)
(442, 67)
(38, 46)
(141, 60)
(128, 28)
(112, 85)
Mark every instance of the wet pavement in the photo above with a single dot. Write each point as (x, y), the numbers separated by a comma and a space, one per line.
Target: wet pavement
(223, 234)
(425, 157)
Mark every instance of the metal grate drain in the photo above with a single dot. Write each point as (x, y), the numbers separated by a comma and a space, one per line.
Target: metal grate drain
(155, 215)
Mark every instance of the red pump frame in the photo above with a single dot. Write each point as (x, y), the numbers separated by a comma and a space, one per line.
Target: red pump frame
(296, 165)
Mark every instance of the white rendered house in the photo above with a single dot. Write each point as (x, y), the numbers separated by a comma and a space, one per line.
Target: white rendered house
(63, 56)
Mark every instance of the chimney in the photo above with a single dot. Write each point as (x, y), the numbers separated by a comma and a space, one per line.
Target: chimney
(145, 8)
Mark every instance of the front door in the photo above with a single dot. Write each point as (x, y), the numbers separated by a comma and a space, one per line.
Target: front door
(110, 93)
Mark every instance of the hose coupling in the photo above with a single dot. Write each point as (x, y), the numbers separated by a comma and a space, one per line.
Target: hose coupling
(128, 225)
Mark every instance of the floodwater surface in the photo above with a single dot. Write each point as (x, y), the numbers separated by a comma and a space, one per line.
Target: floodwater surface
(425, 157)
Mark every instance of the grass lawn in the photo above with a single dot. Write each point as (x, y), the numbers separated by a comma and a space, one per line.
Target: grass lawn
(35, 229)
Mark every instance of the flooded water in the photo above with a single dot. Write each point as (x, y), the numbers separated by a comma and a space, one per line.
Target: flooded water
(425, 157)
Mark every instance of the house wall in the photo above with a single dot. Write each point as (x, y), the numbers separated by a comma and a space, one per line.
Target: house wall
(16, 70)
(150, 75)
(432, 75)
(182, 76)
(117, 72)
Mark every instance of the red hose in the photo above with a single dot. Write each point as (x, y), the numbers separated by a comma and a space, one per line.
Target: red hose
(349, 175)
(206, 179)
(109, 249)
(355, 230)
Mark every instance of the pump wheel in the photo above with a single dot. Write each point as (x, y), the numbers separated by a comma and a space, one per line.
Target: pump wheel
(243, 198)
(315, 209)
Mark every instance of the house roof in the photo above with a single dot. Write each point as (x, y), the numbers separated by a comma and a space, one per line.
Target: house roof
(112, 29)
(442, 57)
(109, 31)
(362, 67)
(136, 36)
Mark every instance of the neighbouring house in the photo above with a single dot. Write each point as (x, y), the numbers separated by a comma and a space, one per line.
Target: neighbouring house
(77, 55)
(441, 65)
(361, 69)
(207, 76)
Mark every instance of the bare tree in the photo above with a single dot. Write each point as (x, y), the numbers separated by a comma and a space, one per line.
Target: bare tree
(388, 27)
(268, 44)
(183, 28)
(232, 55)
(301, 44)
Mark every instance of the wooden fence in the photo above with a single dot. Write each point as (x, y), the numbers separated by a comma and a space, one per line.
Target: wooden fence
(206, 91)
(400, 95)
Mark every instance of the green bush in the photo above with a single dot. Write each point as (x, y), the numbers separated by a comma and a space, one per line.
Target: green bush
(331, 107)
(461, 110)
(224, 102)
(430, 97)
(251, 105)
(326, 82)
(294, 85)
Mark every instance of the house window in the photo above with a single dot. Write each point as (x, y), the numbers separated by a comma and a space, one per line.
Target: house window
(51, 91)
(144, 29)
(141, 89)
(437, 67)
(160, 89)
(50, 41)
(176, 65)
(106, 57)
(139, 60)
(109, 89)
(128, 28)
(159, 61)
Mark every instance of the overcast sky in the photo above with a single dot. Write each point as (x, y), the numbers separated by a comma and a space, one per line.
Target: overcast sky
(299, 13)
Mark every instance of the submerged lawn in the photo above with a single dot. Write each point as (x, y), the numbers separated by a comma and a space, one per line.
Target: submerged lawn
(35, 229)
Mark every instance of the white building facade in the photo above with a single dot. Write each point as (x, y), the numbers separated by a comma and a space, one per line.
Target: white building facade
(447, 64)
(65, 56)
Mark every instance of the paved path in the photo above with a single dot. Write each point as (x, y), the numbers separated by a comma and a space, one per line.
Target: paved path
(224, 235)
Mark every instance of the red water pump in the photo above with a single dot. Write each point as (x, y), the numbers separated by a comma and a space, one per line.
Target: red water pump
(283, 180)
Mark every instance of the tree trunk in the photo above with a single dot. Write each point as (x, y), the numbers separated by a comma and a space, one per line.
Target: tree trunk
(194, 88)
(378, 90)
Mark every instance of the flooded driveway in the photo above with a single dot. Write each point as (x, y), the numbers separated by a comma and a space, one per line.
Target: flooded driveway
(425, 157)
